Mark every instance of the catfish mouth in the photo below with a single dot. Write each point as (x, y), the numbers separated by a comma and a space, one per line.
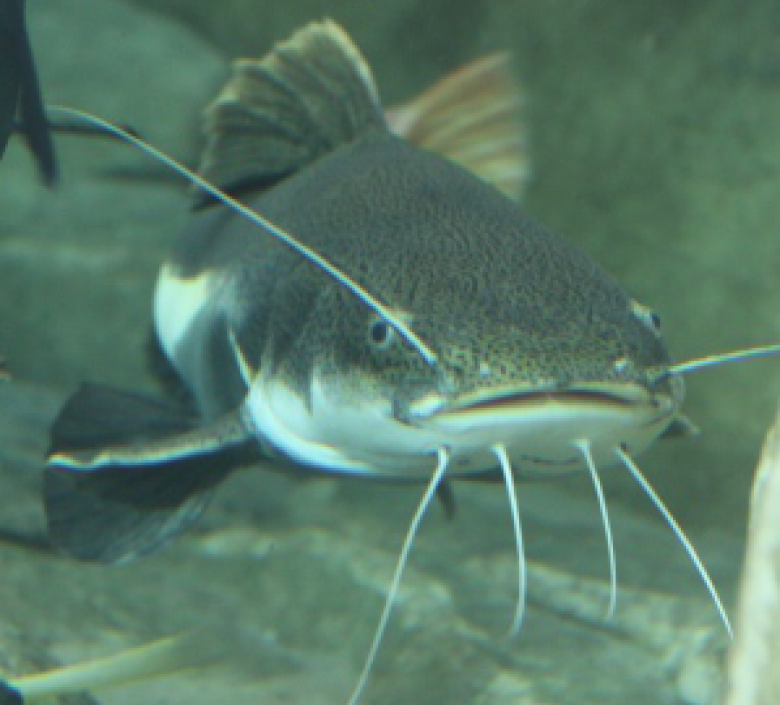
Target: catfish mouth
(545, 427)
(615, 395)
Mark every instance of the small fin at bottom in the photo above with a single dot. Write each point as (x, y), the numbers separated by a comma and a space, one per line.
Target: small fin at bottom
(126, 474)
(681, 427)
(446, 496)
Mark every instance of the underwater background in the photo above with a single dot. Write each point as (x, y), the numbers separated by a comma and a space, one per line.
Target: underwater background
(655, 146)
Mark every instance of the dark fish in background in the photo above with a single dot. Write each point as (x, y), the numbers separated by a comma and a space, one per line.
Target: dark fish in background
(20, 93)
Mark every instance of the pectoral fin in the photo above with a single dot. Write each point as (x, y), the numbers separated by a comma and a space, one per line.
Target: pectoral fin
(125, 474)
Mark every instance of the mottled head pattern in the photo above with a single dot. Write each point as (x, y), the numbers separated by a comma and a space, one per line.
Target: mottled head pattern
(506, 305)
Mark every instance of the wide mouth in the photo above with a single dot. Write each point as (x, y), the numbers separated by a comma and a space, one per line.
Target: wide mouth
(589, 394)
(544, 428)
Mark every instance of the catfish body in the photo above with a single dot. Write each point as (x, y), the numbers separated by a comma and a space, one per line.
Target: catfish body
(420, 233)
(531, 347)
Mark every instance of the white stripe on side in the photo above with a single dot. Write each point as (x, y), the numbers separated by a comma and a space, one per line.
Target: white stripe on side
(178, 301)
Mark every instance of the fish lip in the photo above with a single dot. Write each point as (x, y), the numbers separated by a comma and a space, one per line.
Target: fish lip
(625, 394)
(546, 424)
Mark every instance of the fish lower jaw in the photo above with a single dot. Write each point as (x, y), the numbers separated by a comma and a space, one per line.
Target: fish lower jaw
(543, 437)
(548, 440)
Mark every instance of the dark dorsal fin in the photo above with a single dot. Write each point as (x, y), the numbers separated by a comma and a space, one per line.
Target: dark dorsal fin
(311, 94)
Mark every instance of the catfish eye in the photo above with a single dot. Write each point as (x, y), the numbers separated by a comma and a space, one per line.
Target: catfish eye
(656, 321)
(380, 333)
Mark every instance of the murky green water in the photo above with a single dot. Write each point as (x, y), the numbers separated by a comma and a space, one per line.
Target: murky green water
(655, 146)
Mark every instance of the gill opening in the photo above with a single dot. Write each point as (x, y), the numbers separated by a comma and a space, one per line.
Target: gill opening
(427, 354)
